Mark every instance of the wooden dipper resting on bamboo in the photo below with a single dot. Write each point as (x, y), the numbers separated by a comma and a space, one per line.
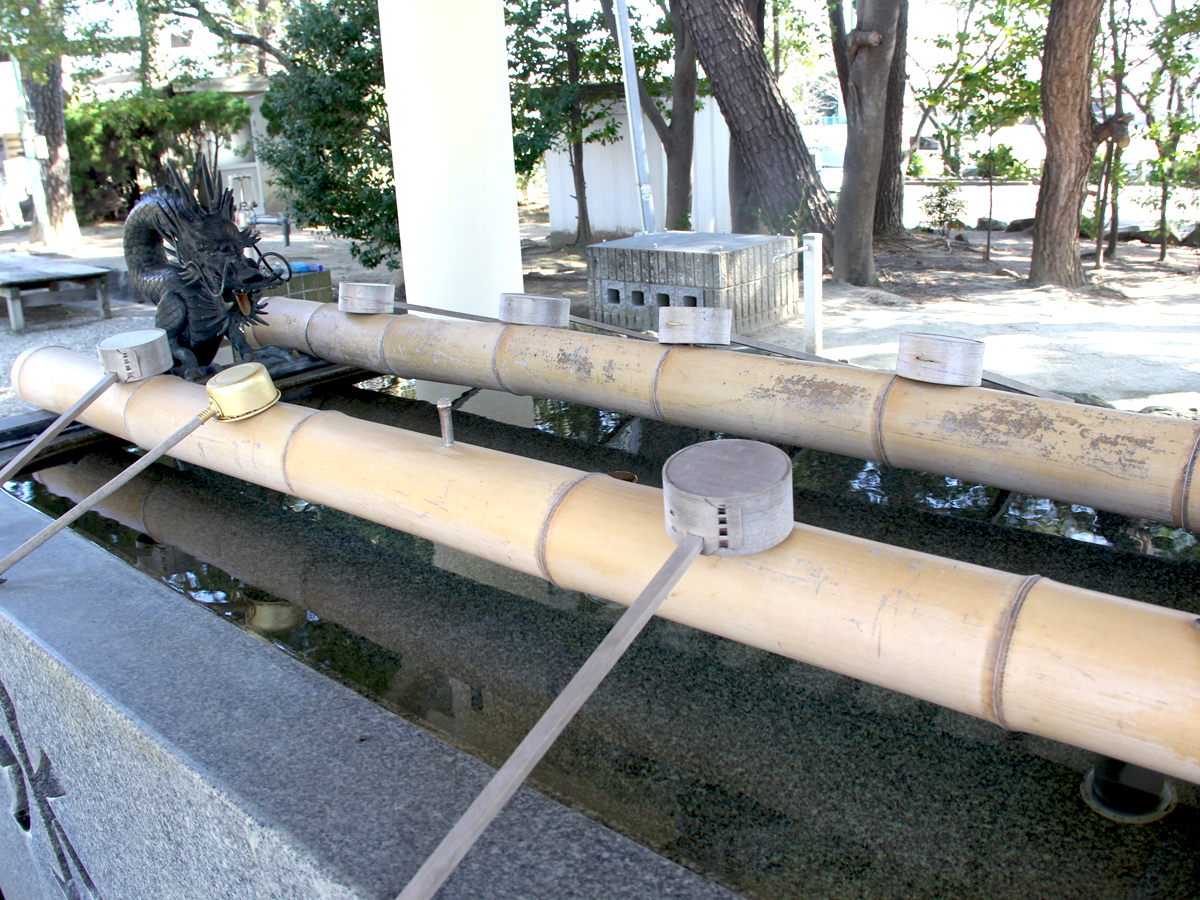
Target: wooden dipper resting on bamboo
(694, 325)
(1111, 675)
(726, 498)
(236, 393)
(125, 357)
(940, 359)
(1134, 464)
(535, 309)
(366, 299)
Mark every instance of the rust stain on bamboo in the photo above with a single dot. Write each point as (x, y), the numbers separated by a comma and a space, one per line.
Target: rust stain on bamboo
(803, 391)
(1009, 423)
(576, 362)
(1001, 424)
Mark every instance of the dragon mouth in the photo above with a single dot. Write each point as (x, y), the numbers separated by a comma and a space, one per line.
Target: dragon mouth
(243, 302)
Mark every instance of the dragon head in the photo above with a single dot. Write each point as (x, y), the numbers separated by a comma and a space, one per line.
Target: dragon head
(200, 235)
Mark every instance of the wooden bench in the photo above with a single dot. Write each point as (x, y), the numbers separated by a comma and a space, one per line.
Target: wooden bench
(21, 273)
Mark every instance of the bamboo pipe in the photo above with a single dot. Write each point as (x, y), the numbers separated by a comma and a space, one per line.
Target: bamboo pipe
(1109, 459)
(1107, 674)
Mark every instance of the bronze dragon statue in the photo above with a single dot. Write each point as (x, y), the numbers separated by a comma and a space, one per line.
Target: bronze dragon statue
(186, 254)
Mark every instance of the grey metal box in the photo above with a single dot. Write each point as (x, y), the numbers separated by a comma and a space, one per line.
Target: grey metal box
(630, 278)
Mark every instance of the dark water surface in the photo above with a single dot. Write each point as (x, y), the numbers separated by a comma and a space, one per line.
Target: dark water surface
(772, 777)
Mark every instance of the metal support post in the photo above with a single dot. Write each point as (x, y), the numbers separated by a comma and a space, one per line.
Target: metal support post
(812, 256)
(633, 106)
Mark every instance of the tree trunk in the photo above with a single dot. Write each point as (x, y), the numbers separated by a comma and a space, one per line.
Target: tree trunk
(1102, 202)
(889, 196)
(583, 234)
(1164, 200)
(147, 24)
(837, 39)
(743, 216)
(1070, 141)
(779, 168)
(46, 100)
(1119, 52)
(683, 127)
(870, 58)
(1113, 237)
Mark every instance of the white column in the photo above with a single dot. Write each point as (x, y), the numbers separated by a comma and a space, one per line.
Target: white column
(446, 68)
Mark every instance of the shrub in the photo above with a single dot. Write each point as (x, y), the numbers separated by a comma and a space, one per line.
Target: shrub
(118, 145)
(943, 207)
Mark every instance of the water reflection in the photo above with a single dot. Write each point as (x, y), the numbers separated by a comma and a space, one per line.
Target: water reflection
(773, 777)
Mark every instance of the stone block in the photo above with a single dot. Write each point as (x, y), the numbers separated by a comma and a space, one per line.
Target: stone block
(629, 279)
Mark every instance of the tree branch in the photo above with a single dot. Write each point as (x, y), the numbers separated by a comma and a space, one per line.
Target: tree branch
(225, 31)
(837, 34)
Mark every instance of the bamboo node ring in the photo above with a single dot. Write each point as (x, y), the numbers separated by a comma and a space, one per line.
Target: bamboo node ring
(1010, 626)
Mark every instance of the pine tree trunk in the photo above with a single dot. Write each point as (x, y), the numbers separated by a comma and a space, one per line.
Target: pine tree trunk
(889, 196)
(1070, 141)
(742, 213)
(870, 57)
(779, 168)
(46, 101)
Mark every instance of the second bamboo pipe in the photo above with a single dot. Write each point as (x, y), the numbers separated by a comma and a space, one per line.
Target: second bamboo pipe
(1108, 459)
(1107, 674)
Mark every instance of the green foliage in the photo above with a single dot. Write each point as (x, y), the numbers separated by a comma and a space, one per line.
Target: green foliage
(38, 34)
(917, 167)
(1000, 163)
(992, 79)
(1168, 101)
(554, 101)
(800, 36)
(328, 128)
(256, 18)
(117, 144)
(943, 207)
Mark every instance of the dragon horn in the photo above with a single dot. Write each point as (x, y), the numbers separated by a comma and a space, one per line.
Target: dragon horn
(206, 194)
(176, 180)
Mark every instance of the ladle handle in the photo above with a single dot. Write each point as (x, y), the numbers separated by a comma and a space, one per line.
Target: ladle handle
(442, 862)
(56, 427)
(103, 491)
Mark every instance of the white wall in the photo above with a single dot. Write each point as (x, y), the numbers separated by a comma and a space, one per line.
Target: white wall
(613, 203)
(612, 183)
(710, 172)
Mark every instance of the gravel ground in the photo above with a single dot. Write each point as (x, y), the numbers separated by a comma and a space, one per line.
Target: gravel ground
(63, 327)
